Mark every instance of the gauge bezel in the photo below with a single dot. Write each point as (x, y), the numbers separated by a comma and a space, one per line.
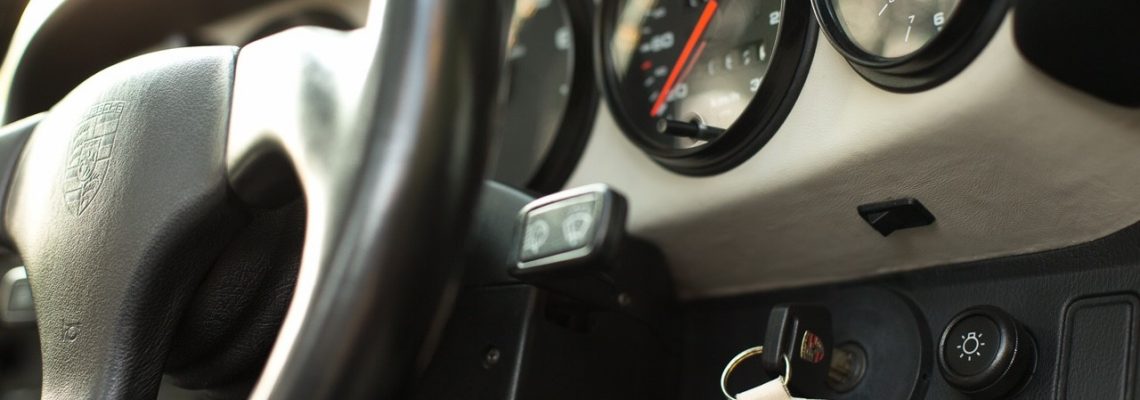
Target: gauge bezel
(581, 107)
(968, 31)
(761, 118)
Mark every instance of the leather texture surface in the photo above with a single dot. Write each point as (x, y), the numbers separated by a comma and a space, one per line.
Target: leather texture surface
(1009, 160)
(117, 207)
(224, 337)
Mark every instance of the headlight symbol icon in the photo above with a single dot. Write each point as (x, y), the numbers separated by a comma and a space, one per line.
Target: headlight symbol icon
(971, 346)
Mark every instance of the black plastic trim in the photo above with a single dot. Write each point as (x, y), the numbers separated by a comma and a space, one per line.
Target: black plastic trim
(1036, 288)
(1096, 51)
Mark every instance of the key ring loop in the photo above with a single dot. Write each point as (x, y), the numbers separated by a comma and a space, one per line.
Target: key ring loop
(744, 355)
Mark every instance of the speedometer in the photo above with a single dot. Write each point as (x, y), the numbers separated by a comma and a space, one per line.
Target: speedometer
(700, 85)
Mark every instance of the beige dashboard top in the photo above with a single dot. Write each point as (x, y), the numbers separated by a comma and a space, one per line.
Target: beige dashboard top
(1007, 159)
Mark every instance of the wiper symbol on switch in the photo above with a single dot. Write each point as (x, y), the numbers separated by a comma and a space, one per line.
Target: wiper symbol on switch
(576, 226)
(536, 234)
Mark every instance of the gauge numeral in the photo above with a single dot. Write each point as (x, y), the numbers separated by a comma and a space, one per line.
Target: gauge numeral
(939, 20)
(774, 18)
(910, 24)
(656, 43)
(747, 56)
(563, 38)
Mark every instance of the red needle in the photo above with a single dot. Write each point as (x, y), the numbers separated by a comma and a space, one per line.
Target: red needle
(702, 23)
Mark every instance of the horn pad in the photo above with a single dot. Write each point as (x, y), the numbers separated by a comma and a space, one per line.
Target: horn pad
(118, 206)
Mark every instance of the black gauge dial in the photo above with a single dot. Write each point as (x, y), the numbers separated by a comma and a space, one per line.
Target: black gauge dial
(909, 45)
(541, 59)
(550, 97)
(702, 84)
(893, 28)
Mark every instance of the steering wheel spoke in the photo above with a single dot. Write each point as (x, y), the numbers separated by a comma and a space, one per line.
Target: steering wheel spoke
(386, 128)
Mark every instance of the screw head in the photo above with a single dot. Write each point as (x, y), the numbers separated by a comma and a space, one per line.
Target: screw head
(624, 299)
(491, 357)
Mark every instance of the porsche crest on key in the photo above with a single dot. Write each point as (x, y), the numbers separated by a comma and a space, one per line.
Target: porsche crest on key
(800, 334)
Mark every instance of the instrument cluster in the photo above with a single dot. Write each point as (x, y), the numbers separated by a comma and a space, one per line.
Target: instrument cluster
(702, 85)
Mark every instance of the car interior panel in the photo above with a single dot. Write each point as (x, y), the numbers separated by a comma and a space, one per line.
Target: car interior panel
(570, 199)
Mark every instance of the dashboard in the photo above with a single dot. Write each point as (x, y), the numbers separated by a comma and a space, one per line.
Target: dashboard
(765, 153)
(748, 136)
(1007, 158)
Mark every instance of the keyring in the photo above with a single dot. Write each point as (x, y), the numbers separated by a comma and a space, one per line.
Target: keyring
(744, 355)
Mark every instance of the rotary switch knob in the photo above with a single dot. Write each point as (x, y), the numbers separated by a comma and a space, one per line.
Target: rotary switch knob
(985, 353)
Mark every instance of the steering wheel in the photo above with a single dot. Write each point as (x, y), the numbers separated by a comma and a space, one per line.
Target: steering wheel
(122, 195)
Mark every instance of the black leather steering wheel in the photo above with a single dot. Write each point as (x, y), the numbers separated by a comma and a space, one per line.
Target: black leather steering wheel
(118, 199)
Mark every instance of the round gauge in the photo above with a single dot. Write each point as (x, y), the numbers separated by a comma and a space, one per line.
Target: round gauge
(910, 45)
(892, 28)
(549, 101)
(700, 85)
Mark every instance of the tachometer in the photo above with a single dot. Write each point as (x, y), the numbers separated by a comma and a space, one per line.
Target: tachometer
(909, 45)
(892, 28)
(702, 84)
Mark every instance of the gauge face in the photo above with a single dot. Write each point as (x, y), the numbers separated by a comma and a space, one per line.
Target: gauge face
(541, 61)
(687, 69)
(893, 28)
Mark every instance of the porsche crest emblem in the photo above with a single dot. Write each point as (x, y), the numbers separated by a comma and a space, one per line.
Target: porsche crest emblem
(89, 155)
(812, 348)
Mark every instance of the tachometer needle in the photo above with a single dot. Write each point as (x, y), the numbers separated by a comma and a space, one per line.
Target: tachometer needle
(698, 30)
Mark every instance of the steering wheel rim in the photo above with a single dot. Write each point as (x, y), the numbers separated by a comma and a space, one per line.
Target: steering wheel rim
(389, 185)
